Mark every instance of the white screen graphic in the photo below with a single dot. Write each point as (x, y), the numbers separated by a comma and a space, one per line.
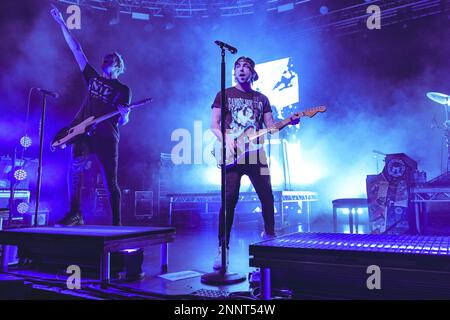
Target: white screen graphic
(279, 82)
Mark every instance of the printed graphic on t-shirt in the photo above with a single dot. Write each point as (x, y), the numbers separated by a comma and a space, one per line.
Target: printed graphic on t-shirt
(245, 113)
(100, 90)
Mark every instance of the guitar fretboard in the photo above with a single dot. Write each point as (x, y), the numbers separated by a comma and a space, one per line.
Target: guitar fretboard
(276, 127)
(112, 114)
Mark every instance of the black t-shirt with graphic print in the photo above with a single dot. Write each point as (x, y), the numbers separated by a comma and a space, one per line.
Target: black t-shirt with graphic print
(244, 110)
(103, 97)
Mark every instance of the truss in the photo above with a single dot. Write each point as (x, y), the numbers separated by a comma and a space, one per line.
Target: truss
(175, 8)
(353, 19)
(284, 196)
(345, 20)
(431, 195)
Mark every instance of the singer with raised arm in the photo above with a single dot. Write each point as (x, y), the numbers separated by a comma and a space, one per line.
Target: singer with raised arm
(105, 94)
(246, 109)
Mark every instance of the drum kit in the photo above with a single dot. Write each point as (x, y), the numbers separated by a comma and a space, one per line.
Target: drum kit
(440, 98)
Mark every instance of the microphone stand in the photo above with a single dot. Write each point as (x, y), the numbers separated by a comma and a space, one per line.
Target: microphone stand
(223, 276)
(12, 183)
(41, 145)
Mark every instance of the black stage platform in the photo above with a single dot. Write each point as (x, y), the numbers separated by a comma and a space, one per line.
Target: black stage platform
(98, 240)
(336, 266)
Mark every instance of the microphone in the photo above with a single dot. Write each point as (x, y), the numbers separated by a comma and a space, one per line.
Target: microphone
(379, 152)
(221, 44)
(50, 93)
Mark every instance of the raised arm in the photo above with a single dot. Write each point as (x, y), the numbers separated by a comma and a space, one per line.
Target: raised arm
(73, 44)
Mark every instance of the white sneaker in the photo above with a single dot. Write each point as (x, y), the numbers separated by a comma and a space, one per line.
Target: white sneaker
(218, 259)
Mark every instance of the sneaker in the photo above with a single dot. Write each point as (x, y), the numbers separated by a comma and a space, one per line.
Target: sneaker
(71, 219)
(218, 259)
(267, 236)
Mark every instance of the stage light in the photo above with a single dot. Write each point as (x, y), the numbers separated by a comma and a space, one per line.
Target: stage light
(22, 207)
(345, 211)
(169, 26)
(140, 16)
(323, 9)
(130, 250)
(130, 262)
(113, 13)
(285, 7)
(20, 174)
(169, 19)
(25, 141)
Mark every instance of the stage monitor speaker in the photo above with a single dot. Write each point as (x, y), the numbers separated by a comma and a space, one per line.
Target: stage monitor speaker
(101, 202)
(143, 204)
(28, 218)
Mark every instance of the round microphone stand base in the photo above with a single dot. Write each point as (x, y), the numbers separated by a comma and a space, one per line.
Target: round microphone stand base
(219, 278)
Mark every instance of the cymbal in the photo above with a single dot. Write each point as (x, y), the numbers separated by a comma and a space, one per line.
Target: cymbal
(439, 97)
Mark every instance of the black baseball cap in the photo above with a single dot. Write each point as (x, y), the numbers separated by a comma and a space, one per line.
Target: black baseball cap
(252, 66)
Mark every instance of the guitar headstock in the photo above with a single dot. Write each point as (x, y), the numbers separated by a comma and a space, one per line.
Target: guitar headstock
(311, 112)
(140, 102)
(144, 101)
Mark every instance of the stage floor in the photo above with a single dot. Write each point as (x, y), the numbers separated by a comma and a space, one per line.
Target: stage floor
(194, 250)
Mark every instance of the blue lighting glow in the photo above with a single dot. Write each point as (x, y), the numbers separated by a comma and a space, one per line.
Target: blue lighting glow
(130, 250)
(22, 207)
(25, 141)
(323, 9)
(368, 242)
(20, 174)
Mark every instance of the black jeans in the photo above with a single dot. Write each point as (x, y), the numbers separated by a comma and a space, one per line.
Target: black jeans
(105, 150)
(260, 179)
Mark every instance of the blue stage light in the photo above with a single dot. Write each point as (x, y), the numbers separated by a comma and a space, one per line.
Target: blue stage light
(22, 207)
(323, 9)
(25, 141)
(20, 174)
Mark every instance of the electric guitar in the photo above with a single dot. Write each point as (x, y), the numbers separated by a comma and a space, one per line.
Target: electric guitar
(66, 136)
(250, 141)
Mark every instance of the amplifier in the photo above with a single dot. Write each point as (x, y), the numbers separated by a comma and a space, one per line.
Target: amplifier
(143, 203)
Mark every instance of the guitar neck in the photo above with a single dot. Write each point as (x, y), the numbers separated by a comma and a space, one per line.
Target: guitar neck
(105, 117)
(276, 127)
(281, 124)
(112, 114)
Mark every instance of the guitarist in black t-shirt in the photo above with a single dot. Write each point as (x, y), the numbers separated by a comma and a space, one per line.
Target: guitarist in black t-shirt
(105, 94)
(246, 110)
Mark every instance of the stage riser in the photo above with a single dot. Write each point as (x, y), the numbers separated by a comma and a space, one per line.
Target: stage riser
(57, 260)
(350, 282)
(335, 266)
(14, 288)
